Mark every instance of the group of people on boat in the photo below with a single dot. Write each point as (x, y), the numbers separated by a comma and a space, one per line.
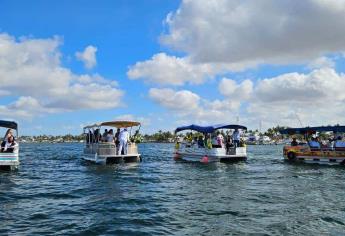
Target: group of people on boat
(217, 140)
(8, 143)
(120, 139)
(315, 142)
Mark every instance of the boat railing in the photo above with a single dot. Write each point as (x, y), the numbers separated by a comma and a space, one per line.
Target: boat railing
(105, 148)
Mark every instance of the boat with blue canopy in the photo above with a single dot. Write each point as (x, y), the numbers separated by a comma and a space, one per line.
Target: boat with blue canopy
(215, 143)
(321, 145)
(9, 150)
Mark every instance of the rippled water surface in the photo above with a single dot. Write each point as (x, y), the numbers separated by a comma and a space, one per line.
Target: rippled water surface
(54, 192)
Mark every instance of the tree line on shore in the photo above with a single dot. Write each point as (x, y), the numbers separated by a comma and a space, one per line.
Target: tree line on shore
(160, 136)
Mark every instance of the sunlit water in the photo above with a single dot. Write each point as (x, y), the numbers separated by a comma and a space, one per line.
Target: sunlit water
(54, 192)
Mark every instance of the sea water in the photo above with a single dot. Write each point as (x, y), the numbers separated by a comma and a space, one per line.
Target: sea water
(55, 192)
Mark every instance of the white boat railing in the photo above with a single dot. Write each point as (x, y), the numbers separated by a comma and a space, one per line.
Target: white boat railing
(109, 149)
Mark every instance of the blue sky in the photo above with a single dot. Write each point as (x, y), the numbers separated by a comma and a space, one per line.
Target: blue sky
(65, 64)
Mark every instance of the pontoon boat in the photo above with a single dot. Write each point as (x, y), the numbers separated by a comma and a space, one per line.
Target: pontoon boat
(331, 151)
(102, 152)
(204, 151)
(9, 159)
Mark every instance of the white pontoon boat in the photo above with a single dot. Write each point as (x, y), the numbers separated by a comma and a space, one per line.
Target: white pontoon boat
(193, 150)
(101, 152)
(9, 159)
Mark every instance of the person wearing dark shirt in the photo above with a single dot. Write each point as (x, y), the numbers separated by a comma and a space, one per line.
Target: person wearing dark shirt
(294, 142)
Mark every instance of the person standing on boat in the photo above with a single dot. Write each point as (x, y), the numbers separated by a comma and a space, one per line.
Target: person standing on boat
(220, 139)
(117, 140)
(104, 135)
(124, 136)
(236, 136)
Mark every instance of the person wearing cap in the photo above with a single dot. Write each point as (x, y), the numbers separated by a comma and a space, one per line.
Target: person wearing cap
(124, 137)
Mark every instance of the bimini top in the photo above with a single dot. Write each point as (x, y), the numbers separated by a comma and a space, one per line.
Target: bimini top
(117, 124)
(306, 130)
(8, 124)
(209, 129)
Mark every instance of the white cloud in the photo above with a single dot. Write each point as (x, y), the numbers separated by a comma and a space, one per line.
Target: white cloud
(189, 106)
(143, 120)
(321, 62)
(31, 70)
(320, 85)
(183, 100)
(164, 69)
(231, 89)
(317, 98)
(271, 32)
(171, 70)
(88, 56)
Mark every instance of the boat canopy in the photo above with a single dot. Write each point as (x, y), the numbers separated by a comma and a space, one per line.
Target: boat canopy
(8, 124)
(209, 129)
(306, 130)
(117, 124)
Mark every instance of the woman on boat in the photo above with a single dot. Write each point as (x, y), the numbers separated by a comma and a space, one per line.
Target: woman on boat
(8, 134)
(9, 145)
(110, 136)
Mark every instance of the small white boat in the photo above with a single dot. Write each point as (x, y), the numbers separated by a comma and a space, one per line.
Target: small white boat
(9, 159)
(100, 152)
(196, 152)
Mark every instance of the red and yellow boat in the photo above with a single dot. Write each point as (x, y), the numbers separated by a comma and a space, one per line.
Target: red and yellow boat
(325, 153)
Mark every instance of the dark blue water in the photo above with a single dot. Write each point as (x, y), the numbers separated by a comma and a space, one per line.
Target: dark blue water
(54, 192)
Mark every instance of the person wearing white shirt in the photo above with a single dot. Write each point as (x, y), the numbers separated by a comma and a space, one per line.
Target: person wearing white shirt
(110, 136)
(10, 145)
(124, 136)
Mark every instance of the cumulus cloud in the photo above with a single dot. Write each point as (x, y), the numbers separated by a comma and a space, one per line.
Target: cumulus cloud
(317, 98)
(231, 89)
(164, 69)
(183, 100)
(145, 121)
(171, 70)
(321, 62)
(88, 56)
(30, 69)
(269, 32)
(189, 106)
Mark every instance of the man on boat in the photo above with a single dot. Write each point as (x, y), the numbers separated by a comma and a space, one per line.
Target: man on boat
(294, 142)
(104, 135)
(236, 137)
(117, 140)
(124, 136)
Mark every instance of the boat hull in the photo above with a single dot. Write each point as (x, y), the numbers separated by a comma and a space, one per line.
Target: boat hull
(9, 161)
(111, 159)
(302, 154)
(206, 155)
